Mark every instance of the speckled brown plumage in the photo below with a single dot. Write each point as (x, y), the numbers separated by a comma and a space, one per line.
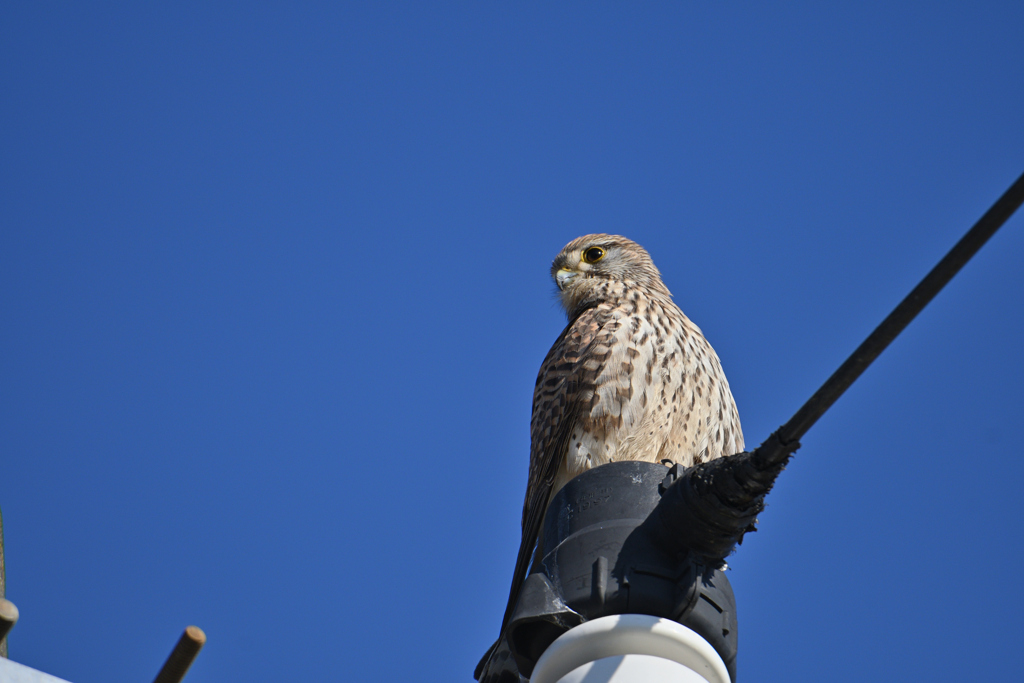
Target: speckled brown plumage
(630, 378)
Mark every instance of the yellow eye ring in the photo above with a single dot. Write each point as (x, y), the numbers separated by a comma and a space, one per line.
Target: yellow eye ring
(593, 254)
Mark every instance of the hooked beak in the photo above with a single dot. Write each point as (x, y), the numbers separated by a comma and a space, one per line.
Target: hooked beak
(563, 277)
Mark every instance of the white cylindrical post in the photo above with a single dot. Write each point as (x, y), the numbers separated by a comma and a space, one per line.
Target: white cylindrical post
(630, 648)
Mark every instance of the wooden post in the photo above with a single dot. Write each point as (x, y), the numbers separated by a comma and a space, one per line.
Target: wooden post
(182, 656)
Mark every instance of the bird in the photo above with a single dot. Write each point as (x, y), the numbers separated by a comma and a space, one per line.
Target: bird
(629, 378)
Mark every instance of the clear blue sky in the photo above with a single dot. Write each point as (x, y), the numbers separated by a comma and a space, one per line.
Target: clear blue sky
(274, 291)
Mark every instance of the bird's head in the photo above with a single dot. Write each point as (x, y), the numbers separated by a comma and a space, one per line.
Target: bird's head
(587, 264)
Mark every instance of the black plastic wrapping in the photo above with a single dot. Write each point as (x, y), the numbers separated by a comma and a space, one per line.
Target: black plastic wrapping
(604, 553)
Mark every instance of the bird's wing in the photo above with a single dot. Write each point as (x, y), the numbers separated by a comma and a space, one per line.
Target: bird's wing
(561, 396)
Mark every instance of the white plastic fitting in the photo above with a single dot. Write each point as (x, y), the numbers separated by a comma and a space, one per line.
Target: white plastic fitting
(630, 648)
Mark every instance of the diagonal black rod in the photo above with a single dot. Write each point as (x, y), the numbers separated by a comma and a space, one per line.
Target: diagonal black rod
(712, 505)
(786, 437)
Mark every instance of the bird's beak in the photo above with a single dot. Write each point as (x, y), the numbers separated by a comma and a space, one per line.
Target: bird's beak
(563, 277)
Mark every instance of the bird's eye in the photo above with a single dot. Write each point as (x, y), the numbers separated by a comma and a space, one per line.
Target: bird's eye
(593, 255)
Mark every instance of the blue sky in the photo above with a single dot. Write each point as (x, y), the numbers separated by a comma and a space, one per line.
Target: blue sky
(274, 291)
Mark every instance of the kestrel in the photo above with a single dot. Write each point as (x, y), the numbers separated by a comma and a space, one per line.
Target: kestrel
(630, 378)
